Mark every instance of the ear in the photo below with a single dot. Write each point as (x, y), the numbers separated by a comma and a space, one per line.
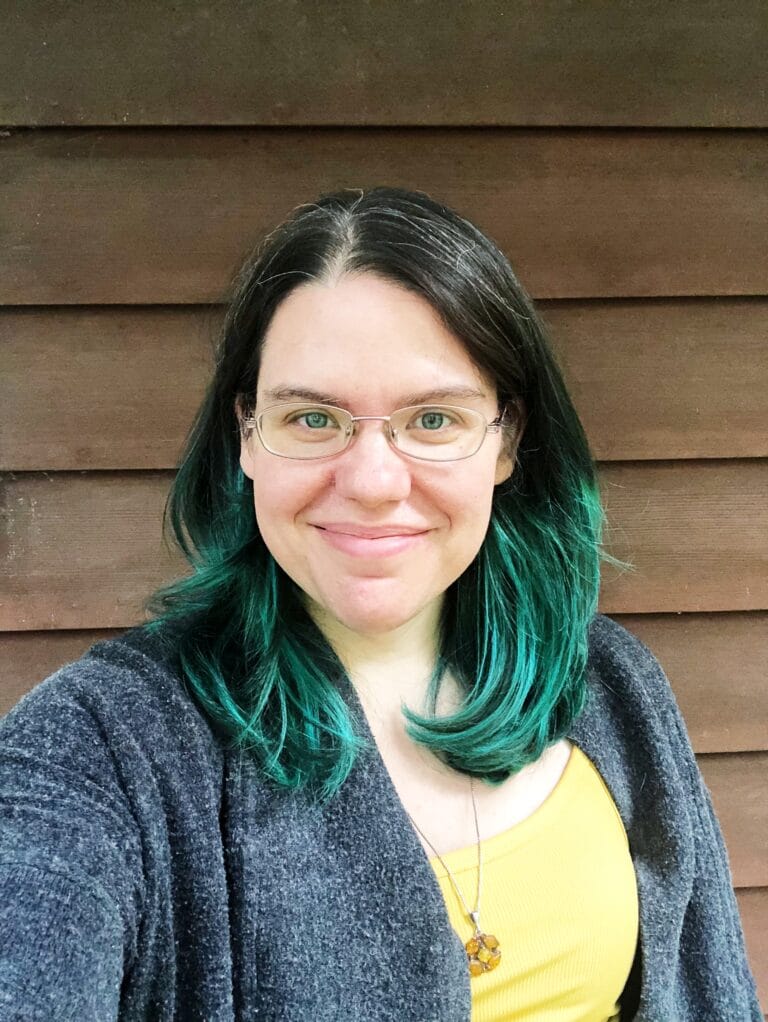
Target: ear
(504, 467)
(246, 441)
(515, 419)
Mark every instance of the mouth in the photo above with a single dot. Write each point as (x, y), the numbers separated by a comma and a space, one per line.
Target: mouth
(384, 541)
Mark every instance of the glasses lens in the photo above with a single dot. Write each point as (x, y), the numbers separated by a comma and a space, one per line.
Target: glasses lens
(304, 431)
(438, 432)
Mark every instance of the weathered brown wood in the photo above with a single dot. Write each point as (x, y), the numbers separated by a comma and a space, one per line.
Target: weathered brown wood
(101, 387)
(119, 386)
(26, 658)
(82, 549)
(667, 378)
(716, 664)
(753, 908)
(163, 216)
(288, 62)
(738, 785)
(696, 533)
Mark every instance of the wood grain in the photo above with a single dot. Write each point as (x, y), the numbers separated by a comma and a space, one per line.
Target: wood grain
(668, 378)
(715, 663)
(120, 386)
(695, 532)
(101, 387)
(161, 217)
(82, 550)
(738, 784)
(393, 62)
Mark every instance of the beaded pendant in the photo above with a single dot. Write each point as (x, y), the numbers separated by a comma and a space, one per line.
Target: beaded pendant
(483, 953)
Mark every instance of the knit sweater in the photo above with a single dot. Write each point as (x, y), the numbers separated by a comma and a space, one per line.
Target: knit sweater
(147, 874)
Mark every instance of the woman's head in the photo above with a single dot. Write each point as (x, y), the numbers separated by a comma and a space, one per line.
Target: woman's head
(369, 300)
(375, 533)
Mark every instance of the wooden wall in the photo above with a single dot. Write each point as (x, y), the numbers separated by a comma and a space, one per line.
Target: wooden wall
(617, 152)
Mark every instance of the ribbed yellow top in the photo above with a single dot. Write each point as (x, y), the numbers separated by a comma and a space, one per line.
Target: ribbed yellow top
(559, 893)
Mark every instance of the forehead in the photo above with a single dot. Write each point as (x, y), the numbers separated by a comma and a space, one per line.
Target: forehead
(364, 337)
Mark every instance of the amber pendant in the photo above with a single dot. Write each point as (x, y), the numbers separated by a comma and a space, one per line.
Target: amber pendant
(483, 953)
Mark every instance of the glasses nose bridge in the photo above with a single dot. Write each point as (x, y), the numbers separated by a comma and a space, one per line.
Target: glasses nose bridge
(387, 428)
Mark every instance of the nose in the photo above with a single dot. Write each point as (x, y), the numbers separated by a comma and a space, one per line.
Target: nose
(371, 471)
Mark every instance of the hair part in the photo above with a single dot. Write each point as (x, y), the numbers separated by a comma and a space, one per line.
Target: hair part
(514, 625)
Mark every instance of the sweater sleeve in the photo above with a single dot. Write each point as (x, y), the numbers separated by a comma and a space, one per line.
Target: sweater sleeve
(712, 917)
(71, 879)
(694, 963)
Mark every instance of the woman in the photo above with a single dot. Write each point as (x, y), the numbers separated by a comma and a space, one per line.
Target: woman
(376, 757)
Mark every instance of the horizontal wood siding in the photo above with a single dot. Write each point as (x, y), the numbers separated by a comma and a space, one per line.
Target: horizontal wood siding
(396, 62)
(717, 666)
(139, 216)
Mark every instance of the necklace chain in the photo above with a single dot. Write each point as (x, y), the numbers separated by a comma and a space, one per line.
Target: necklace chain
(482, 949)
(474, 916)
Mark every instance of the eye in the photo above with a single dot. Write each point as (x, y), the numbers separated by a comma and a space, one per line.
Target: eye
(312, 420)
(316, 420)
(433, 420)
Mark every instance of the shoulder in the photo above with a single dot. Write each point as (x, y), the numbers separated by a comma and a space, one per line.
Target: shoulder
(630, 705)
(126, 693)
(622, 666)
(612, 647)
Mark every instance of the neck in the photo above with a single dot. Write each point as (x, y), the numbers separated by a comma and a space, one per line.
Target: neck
(391, 667)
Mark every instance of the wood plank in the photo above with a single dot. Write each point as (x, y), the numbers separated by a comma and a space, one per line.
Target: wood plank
(753, 908)
(716, 664)
(163, 216)
(667, 378)
(278, 62)
(738, 784)
(696, 533)
(82, 550)
(628, 364)
(119, 386)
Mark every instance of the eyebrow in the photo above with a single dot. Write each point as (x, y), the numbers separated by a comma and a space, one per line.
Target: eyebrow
(293, 393)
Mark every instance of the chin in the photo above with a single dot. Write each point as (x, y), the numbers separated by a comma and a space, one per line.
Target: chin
(371, 613)
(371, 622)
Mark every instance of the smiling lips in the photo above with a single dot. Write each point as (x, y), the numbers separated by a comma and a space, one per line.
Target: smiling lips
(363, 541)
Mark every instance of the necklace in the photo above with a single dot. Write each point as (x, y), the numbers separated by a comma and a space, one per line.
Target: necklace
(482, 949)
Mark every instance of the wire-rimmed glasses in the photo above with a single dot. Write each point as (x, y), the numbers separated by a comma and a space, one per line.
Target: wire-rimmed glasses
(306, 431)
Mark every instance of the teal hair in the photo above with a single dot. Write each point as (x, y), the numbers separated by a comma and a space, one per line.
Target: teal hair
(514, 625)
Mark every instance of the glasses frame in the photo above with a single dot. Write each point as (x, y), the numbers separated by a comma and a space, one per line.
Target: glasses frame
(253, 423)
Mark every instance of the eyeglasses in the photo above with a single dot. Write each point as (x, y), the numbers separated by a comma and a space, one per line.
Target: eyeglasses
(427, 432)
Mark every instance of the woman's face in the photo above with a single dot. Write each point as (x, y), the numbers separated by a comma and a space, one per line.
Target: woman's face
(371, 347)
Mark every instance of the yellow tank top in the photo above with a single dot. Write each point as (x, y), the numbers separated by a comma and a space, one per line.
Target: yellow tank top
(559, 893)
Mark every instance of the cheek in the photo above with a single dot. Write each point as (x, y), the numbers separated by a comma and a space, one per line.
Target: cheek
(466, 499)
(281, 491)
(474, 486)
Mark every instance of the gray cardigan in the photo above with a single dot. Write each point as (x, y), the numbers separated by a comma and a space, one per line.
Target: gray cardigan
(147, 874)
